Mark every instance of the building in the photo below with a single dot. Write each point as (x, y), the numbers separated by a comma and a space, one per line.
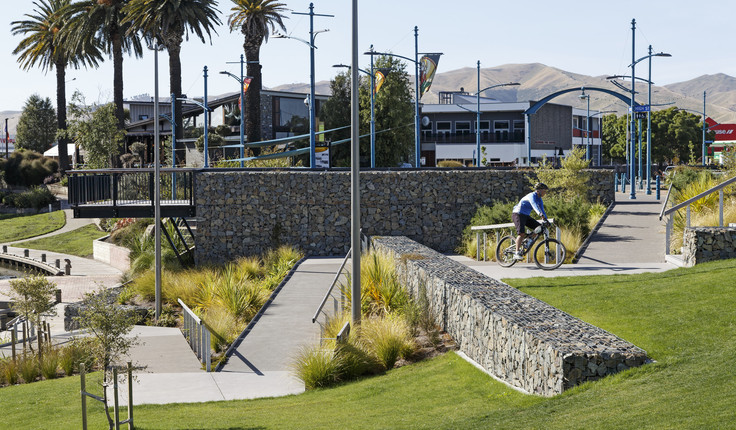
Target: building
(449, 131)
(724, 140)
(284, 114)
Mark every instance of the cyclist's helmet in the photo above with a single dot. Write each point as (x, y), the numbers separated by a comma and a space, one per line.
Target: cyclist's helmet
(540, 186)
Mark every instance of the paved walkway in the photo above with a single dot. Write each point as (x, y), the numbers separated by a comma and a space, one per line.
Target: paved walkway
(260, 365)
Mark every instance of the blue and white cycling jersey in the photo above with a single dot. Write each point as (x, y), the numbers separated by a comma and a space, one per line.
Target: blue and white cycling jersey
(529, 202)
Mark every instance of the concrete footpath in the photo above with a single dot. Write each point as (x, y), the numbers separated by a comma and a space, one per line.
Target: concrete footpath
(630, 240)
(260, 365)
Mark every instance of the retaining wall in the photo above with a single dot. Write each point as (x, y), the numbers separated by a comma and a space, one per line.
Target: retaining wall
(518, 338)
(701, 244)
(109, 253)
(245, 212)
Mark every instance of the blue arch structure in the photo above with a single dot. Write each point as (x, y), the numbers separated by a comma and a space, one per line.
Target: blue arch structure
(536, 106)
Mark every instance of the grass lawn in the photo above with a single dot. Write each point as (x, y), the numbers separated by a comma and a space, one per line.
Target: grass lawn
(684, 318)
(76, 242)
(19, 227)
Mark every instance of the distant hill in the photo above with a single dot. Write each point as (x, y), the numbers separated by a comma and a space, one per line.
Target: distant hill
(538, 80)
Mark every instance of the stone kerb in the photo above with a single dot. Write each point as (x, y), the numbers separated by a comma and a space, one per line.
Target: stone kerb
(246, 212)
(517, 338)
(701, 244)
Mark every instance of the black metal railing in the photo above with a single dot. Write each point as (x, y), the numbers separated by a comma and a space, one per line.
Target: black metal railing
(112, 190)
(485, 137)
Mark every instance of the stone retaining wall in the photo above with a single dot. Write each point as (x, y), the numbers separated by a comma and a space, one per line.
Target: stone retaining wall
(518, 338)
(245, 212)
(701, 244)
(111, 254)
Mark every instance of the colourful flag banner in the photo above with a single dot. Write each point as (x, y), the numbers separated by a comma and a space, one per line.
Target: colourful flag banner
(246, 84)
(427, 69)
(379, 78)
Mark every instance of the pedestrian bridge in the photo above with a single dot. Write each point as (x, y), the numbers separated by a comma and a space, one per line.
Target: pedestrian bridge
(130, 193)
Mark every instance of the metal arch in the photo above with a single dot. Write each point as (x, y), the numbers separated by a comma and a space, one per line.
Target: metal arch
(536, 106)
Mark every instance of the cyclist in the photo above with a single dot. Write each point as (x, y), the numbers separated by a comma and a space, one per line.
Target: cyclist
(521, 214)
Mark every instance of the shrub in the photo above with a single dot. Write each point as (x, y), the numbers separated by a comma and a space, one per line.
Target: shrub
(9, 371)
(499, 213)
(450, 163)
(36, 197)
(317, 367)
(78, 351)
(50, 363)
(571, 179)
(29, 370)
(387, 339)
(28, 168)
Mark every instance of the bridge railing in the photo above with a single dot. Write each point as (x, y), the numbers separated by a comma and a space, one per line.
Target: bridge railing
(119, 187)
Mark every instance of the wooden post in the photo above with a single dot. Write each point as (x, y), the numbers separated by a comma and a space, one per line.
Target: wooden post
(130, 395)
(14, 340)
(115, 397)
(84, 396)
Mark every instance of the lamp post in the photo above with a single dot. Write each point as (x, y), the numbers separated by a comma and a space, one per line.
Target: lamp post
(417, 130)
(241, 81)
(156, 189)
(206, 111)
(587, 124)
(310, 43)
(703, 154)
(355, 301)
(373, 97)
(477, 111)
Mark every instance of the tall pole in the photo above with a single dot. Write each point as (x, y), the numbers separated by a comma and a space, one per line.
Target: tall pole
(156, 188)
(242, 113)
(703, 128)
(632, 125)
(477, 121)
(417, 143)
(640, 154)
(587, 131)
(7, 139)
(355, 302)
(312, 125)
(173, 145)
(373, 115)
(206, 121)
(649, 126)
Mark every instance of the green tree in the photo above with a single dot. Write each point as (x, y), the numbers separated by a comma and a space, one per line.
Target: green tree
(33, 297)
(101, 22)
(255, 19)
(613, 138)
(394, 114)
(171, 21)
(94, 128)
(37, 125)
(42, 47)
(335, 112)
(569, 181)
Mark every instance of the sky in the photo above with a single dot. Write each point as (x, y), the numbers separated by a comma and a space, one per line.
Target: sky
(591, 38)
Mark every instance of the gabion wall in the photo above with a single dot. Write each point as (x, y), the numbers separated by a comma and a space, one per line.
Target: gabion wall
(519, 339)
(701, 244)
(245, 212)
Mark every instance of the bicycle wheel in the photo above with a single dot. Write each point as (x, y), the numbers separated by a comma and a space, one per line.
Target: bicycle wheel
(549, 254)
(505, 251)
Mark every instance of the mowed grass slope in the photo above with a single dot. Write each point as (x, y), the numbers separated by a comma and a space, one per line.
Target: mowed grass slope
(19, 227)
(76, 242)
(685, 319)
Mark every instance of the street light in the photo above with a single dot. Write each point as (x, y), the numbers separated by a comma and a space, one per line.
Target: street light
(477, 111)
(587, 124)
(241, 81)
(373, 101)
(417, 131)
(206, 111)
(633, 80)
(310, 43)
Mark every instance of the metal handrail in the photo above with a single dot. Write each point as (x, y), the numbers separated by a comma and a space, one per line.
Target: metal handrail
(332, 286)
(666, 199)
(698, 197)
(479, 228)
(197, 334)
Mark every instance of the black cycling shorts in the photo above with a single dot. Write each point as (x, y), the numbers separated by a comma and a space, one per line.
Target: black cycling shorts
(520, 221)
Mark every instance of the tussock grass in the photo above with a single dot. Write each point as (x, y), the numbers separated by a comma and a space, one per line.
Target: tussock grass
(50, 363)
(28, 368)
(387, 339)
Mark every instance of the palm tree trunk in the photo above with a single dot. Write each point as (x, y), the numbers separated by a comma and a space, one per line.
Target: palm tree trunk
(175, 86)
(253, 96)
(61, 114)
(117, 61)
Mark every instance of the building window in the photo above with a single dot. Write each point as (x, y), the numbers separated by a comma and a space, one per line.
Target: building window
(501, 129)
(518, 124)
(427, 131)
(142, 117)
(462, 127)
(485, 126)
(444, 127)
(519, 130)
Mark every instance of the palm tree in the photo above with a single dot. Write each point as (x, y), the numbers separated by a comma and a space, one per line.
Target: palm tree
(254, 18)
(42, 47)
(103, 20)
(171, 21)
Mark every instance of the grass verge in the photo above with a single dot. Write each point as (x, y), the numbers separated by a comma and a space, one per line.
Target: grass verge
(76, 242)
(19, 227)
(684, 319)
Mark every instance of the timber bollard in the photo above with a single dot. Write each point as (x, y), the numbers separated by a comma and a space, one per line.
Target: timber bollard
(26, 253)
(5, 249)
(43, 258)
(58, 296)
(58, 263)
(67, 266)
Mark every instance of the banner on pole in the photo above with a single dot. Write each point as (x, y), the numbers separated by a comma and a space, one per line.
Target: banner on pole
(427, 69)
(379, 78)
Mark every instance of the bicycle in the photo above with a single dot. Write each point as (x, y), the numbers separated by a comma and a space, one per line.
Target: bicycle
(548, 254)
